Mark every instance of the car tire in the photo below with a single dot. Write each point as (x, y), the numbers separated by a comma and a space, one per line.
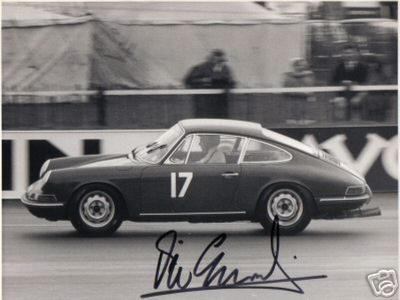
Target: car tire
(291, 205)
(96, 211)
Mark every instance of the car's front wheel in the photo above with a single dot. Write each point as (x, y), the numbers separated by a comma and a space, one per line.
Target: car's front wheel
(290, 206)
(96, 211)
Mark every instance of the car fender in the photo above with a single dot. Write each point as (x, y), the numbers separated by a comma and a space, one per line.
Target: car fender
(285, 183)
(108, 184)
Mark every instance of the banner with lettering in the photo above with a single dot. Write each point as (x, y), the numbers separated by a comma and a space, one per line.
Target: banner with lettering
(372, 150)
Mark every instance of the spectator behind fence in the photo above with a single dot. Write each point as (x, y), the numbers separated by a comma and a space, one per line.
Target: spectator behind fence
(214, 73)
(348, 72)
(377, 104)
(299, 76)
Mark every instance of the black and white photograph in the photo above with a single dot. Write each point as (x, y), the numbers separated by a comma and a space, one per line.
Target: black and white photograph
(199, 150)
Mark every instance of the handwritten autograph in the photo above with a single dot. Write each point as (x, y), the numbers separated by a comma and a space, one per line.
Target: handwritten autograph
(216, 276)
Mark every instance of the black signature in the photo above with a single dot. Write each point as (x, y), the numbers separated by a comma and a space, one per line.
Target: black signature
(216, 276)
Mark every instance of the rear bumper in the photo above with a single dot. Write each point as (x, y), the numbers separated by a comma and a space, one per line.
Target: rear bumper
(344, 203)
(354, 213)
(348, 207)
(363, 199)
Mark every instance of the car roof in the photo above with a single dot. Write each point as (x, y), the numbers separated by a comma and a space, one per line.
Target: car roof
(222, 126)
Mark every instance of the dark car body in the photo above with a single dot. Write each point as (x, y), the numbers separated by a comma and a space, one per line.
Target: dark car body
(216, 192)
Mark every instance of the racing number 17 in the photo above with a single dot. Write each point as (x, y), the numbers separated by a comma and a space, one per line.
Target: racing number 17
(188, 178)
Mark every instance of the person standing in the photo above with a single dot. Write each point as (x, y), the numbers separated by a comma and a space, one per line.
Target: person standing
(348, 72)
(299, 76)
(377, 104)
(214, 73)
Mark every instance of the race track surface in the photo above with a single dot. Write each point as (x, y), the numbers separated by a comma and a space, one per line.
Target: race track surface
(48, 260)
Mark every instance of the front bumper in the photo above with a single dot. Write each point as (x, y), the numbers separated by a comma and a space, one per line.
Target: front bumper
(28, 201)
(50, 210)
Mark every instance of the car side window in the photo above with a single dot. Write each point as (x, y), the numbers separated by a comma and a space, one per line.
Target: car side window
(215, 149)
(262, 152)
(180, 154)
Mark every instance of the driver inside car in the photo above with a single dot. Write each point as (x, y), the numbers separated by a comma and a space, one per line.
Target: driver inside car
(210, 146)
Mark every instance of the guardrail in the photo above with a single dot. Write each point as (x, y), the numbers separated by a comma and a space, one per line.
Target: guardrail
(160, 108)
(278, 90)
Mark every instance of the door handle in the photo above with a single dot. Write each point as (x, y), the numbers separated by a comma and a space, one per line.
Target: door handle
(230, 174)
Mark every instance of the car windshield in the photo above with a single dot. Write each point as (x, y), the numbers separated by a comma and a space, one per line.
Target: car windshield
(155, 151)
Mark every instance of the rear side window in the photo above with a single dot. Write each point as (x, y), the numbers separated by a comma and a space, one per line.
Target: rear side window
(261, 152)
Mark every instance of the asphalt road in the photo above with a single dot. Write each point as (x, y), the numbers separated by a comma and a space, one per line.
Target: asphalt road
(48, 260)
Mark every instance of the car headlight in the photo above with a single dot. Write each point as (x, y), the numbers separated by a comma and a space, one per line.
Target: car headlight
(44, 167)
(35, 189)
(45, 178)
(30, 188)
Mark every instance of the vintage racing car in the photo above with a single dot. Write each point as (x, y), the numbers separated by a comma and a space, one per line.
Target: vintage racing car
(201, 170)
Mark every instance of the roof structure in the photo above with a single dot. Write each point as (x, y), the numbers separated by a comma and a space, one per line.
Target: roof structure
(141, 45)
(222, 126)
(175, 12)
(19, 15)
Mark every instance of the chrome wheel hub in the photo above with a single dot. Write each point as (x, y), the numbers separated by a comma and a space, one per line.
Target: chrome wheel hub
(286, 205)
(97, 209)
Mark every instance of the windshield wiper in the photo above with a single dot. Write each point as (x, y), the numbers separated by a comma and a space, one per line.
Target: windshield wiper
(133, 152)
(156, 148)
(151, 144)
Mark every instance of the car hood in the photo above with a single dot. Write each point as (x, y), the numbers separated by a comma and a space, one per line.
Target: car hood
(107, 162)
(92, 161)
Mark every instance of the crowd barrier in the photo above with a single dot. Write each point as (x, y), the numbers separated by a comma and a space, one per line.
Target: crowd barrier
(146, 109)
(372, 150)
(276, 90)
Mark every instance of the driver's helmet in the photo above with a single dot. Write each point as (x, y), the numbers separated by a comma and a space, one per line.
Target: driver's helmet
(211, 141)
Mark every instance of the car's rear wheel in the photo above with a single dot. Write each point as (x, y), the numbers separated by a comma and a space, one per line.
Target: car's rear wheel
(291, 207)
(96, 211)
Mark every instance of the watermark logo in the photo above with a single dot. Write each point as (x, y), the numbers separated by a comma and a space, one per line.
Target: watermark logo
(383, 283)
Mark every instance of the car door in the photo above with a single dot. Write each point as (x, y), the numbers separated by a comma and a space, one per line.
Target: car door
(156, 182)
(262, 163)
(195, 179)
